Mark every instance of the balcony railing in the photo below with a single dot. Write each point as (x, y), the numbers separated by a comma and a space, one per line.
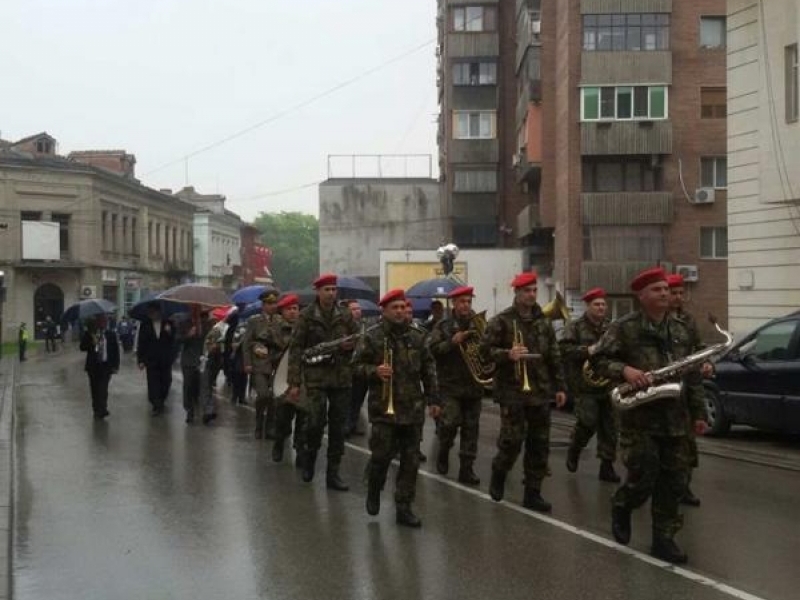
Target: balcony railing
(613, 276)
(627, 208)
(626, 137)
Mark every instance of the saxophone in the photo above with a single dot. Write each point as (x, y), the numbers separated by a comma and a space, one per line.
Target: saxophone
(625, 397)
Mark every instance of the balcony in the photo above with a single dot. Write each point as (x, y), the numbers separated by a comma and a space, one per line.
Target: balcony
(596, 7)
(473, 151)
(613, 276)
(627, 208)
(626, 137)
(466, 45)
(622, 68)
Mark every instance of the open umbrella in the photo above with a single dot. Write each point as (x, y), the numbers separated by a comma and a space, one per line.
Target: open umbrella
(249, 294)
(438, 287)
(352, 288)
(368, 308)
(195, 294)
(88, 308)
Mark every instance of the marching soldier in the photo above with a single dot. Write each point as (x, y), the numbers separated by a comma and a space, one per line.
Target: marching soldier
(460, 392)
(286, 412)
(327, 381)
(592, 404)
(401, 372)
(522, 343)
(258, 362)
(653, 436)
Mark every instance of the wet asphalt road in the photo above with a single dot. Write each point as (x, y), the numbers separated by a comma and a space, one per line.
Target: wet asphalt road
(140, 507)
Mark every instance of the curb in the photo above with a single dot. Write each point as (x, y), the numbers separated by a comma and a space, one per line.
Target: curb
(8, 375)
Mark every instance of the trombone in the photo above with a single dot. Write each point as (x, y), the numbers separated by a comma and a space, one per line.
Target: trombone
(388, 395)
(521, 365)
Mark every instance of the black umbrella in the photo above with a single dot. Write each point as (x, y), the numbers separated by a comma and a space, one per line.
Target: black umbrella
(352, 288)
(88, 308)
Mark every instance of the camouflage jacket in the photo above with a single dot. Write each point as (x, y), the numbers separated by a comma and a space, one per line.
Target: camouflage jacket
(545, 374)
(691, 325)
(576, 338)
(314, 327)
(257, 338)
(635, 341)
(455, 378)
(282, 332)
(215, 338)
(413, 383)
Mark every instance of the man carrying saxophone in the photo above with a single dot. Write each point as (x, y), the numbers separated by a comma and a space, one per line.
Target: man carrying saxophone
(522, 343)
(452, 342)
(258, 362)
(653, 436)
(593, 410)
(393, 357)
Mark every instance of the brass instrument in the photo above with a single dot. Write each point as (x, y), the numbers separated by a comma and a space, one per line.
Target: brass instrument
(556, 309)
(388, 394)
(482, 372)
(521, 366)
(591, 378)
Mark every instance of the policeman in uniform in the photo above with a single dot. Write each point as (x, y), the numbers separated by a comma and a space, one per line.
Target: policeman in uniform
(259, 364)
(522, 343)
(327, 382)
(461, 394)
(653, 435)
(393, 357)
(286, 412)
(593, 408)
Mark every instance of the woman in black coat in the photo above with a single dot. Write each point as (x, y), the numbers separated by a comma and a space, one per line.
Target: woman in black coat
(102, 361)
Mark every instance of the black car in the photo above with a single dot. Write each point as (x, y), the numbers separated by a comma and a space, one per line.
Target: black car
(757, 382)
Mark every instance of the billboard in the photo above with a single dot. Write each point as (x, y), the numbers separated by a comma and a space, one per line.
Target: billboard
(40, 240)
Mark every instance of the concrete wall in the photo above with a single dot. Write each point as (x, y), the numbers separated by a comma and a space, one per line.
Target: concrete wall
(359, 217)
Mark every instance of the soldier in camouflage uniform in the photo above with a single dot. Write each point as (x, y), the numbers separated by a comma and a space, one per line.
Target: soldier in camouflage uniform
(461, 394)
(258, 362)
(327, 382)
(524, 413)
(286, 412)
(393, 355)
(653, 436)
(593, 410)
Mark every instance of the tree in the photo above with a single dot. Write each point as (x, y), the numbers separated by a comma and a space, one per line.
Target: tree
(293, 238)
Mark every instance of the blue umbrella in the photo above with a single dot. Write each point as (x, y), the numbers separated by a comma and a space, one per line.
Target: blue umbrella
(249, 294)
(248, 311)
(368, 308)
(352, 288)
(433, 288)
(88, 308)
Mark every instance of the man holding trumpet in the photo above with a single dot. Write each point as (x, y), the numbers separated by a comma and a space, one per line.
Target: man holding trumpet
(522, 343)
(393, 358)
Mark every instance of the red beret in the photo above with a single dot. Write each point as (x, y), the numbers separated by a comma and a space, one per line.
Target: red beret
(288, 300)
(325, 279)
(675, 280)
(648, 277)
(594, 294)
(462, 290)
(392, 295)
(524, 279)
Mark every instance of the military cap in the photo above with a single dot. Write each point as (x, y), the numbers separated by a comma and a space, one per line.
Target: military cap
(648, 277)
(288, 300)
(269, 295)
(462, 290)
(594, 294)
(675, 280)
(391, 296)
(325, 279)
(524, 280)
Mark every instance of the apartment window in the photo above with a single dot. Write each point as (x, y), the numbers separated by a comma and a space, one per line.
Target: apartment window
(133, 236)
(103, 228)
(158, 239)
(624, 102)
(63, 230)
(712, 32)
(713, 103)
(792, 85)
(475, 73)
(114, 233)
(713, 242)
(643, 243)
(150, 246)
(614, 174)
(714, 172)
(626, 32)
(474, 18)
(470, 125)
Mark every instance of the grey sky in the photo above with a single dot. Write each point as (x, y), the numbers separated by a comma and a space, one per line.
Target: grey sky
(163, 78)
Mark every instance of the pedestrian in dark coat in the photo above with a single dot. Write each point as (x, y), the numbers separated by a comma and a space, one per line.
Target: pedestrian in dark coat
(155, 353)
(102, 361)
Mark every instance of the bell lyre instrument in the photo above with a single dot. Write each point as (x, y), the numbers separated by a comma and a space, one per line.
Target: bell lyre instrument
(521, 366)
(388, 395)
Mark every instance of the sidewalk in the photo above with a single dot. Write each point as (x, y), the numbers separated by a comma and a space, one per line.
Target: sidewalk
(8, 374)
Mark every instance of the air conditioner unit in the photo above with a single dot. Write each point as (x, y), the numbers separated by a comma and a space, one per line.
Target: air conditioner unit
(688, 272)
(704, 195)
(536, 27)
(516, 160)
(88, 291)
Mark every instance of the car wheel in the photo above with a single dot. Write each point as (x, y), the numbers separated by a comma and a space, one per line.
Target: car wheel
(718, 423)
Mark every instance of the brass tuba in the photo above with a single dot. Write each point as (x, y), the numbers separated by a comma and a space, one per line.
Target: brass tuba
(482, 372)
(556, 309)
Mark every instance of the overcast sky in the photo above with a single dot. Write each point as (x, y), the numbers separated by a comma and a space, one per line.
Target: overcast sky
(165, 78)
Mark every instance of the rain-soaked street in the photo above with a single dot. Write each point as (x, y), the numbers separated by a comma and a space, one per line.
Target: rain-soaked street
(140, 507)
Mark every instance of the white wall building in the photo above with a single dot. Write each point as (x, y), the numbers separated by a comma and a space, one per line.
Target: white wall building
(763, 146)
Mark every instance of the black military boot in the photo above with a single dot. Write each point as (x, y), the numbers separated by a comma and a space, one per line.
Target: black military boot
(689, 499)
(497, 486)
(277, 450)
(532, 500)
(466, 475)
(607, 472)
(405, 516)
(374, 487)
(666, 549)
(443, 461)
(309, 462)
(621, 524)
(333, 481)
(573, 457)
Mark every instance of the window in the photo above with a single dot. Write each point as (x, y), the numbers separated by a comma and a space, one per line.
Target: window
(714, 172)
(474, 18)
(792, 85)
(712, 32)
(63, 230)
(713, 242)
(773, 342)
(158, 239)
(474, 125)
(474, 73)
(44, 146)
(641, 102)
(133, 235)
(623, 243)
(713, 103)
(30, 215)
(114, 236)
(103, 226)
(626, 32)
(150, 246)
(615, 174)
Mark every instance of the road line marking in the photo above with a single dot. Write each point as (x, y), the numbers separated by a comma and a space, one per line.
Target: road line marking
(588, 535)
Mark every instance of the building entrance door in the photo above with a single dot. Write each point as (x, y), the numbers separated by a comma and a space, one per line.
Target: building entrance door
(48, 301)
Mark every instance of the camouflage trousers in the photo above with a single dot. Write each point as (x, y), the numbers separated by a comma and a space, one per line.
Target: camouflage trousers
(529, 425)
(285, 413)
(265, 401)
(595, 414)
(464, 414)
(326, 407)
(388, 440)
(658, 467)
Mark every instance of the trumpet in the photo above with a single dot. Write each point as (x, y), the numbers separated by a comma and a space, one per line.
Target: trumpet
(521, 366)
(388, 395)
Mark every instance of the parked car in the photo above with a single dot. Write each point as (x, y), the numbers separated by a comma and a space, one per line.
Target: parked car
(757, 382)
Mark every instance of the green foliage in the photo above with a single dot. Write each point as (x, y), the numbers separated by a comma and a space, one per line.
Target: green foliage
(293, 238)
